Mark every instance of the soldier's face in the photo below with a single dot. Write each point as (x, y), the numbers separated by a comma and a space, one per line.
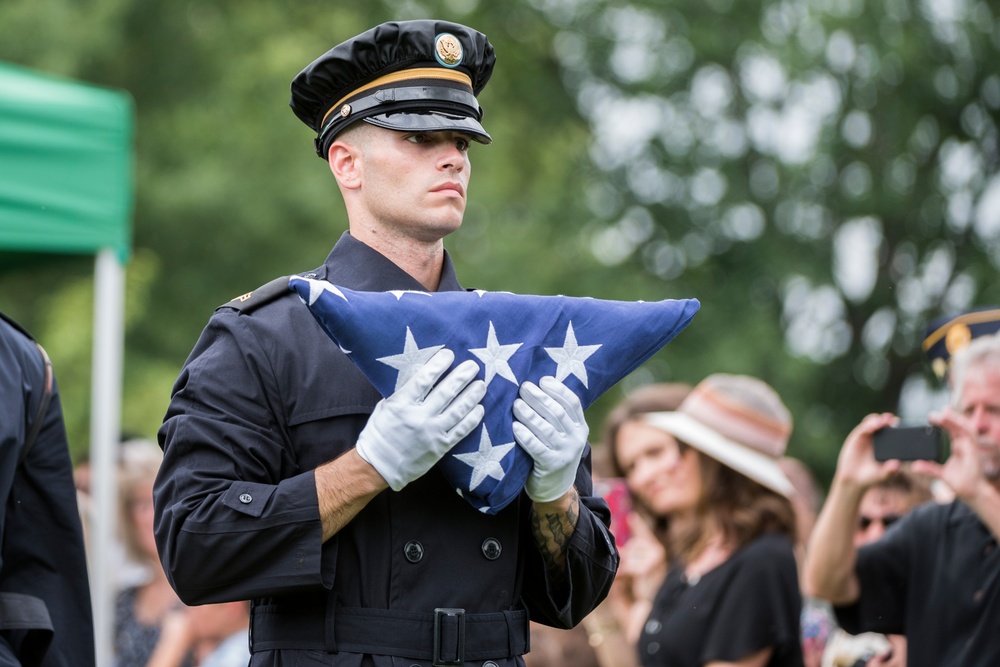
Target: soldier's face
(414, 183)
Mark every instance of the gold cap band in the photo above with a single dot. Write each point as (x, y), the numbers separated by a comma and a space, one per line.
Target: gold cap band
(403, 75)
(976, 317)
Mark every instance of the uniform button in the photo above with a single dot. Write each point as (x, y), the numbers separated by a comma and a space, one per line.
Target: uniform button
(653, 626)
(491, 549)
(653, 648)
(490, 663)
(246, 498)
(413, 551)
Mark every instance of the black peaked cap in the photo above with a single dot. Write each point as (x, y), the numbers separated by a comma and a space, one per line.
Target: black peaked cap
(403, 75)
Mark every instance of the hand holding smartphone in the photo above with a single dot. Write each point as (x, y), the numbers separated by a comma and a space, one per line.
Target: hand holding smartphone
(909, 443)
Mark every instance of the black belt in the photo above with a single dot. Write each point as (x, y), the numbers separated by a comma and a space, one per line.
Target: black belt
(447, 636)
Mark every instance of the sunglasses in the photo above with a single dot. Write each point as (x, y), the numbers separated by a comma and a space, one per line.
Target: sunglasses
(886, 521)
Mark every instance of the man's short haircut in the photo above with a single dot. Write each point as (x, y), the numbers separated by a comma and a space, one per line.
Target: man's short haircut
(981, 352)
(914, 488)
(358, 135)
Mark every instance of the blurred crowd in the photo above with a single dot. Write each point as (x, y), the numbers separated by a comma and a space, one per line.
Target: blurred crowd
(152, 627)
(731, 554)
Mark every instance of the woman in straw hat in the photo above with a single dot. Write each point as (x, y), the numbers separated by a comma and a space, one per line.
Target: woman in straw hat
(707, 476)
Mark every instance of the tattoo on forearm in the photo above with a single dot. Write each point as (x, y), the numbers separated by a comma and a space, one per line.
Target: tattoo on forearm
(552, 531)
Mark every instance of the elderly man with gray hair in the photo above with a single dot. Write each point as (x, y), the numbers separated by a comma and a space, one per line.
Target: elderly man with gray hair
(935, 574)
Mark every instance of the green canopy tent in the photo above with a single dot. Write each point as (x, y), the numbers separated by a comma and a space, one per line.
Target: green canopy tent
(66, 187)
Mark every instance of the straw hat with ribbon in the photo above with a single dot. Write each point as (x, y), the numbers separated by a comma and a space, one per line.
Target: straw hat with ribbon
(738, 420)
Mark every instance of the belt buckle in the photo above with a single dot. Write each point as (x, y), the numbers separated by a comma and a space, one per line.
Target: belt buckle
(439, 614)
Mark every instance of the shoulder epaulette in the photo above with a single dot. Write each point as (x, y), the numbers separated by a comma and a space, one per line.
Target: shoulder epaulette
(266, 293)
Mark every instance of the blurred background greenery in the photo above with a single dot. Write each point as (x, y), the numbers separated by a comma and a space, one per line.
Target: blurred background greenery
(822, 174)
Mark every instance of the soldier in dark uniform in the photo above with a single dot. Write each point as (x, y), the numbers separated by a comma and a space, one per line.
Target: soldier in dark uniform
(288, 480)
(45, 612)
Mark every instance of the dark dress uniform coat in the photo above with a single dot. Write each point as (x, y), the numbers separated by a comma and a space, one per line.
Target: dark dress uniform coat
(45, 610)
(264, 398)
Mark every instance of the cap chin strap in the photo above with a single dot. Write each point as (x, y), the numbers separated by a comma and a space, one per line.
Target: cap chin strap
(444, 99)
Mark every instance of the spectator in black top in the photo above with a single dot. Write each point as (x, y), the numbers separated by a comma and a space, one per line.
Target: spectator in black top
(935, 577)
(708, 473)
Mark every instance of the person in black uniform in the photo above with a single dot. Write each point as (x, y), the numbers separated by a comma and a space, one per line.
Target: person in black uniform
(45, 612)
(288, 480)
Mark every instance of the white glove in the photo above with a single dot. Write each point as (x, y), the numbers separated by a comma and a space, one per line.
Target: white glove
(413, 428)
(550, 426)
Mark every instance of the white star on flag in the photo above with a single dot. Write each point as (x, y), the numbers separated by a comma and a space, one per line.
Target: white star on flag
(398, 293)
(570, 357)
(495, 356)
(486, 460)
(410, 361)
(316, 288)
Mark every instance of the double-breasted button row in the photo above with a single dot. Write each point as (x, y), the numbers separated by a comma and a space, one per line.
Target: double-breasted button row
(414, 550)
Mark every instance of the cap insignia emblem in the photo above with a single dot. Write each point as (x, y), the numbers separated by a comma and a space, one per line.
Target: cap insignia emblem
(345, 110)
(957, 337)
(448, 50)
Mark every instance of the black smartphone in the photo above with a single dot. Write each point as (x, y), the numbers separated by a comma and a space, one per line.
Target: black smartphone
(909, 443)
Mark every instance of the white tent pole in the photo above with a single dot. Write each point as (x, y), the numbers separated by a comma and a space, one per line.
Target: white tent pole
(105, 432)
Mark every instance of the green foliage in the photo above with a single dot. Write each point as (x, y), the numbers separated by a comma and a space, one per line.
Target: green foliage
(821, 174)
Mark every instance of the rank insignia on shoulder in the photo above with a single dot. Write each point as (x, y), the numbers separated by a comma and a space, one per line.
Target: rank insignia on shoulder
(264, 294)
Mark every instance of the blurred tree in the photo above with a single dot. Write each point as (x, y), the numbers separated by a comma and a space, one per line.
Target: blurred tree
(823, 174)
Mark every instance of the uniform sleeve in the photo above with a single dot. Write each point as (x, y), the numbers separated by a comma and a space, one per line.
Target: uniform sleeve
(760, 607)
(234, 518)
(591, 562)
(882, 568)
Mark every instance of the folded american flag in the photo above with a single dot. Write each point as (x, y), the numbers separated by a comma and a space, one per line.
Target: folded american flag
(588, 344)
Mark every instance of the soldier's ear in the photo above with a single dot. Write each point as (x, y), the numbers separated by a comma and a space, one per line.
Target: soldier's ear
(346, 164)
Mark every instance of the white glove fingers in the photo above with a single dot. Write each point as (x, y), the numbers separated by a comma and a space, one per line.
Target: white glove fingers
(542, 405)
(460, 406)
(418, 386)
(566, 397)
(527, 440)
(536, 423)
(467, 425)
(452, 386)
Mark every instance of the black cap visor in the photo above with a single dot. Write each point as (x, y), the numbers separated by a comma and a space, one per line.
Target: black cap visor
(433, 121)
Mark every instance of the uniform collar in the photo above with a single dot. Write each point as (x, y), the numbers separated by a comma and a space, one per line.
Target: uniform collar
(357, 266)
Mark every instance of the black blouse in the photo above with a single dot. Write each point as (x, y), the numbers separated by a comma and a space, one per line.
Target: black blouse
(746, 604)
